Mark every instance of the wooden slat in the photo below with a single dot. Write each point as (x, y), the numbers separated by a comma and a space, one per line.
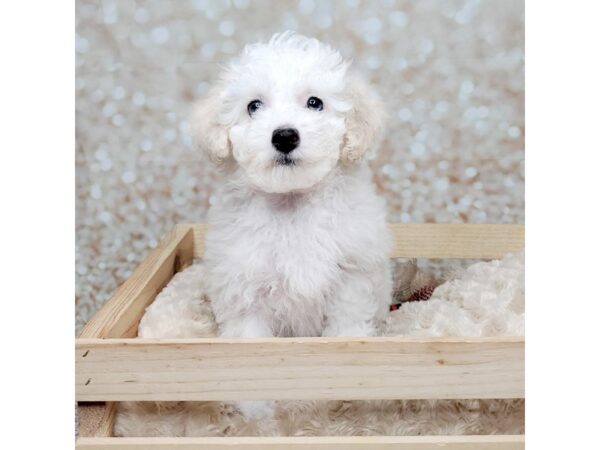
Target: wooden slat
(492, 442)
(199, 233)
(96, 419)
(120, 315)
(432, 240)
(465, 241)
(299, 368)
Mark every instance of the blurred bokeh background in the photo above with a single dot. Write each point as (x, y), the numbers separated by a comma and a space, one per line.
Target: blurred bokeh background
(450, 71)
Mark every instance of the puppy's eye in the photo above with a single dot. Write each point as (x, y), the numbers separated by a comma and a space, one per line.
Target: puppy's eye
(315, 103)
(253, 106)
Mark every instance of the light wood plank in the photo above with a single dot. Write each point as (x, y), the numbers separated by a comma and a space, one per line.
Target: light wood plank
(432, 240)
(299, 368)
(199, 237)
(120, 315)
(96, 419)
(493, 442)
(464, 241)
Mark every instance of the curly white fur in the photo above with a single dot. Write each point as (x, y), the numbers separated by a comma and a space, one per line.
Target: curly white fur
(298, 249)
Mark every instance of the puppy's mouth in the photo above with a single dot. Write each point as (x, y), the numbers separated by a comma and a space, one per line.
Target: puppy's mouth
(285, 160)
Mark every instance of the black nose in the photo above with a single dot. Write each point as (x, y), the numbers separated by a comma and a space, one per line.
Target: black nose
(285, 139)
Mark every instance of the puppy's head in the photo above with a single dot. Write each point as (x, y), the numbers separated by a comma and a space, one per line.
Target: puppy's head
(287, 113)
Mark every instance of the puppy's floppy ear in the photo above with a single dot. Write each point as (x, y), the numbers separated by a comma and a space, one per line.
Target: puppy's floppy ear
(364, 120)
(208, 133)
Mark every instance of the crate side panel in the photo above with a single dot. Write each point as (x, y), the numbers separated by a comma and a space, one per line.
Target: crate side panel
(462, 241)
(302, 369)
(492, 442)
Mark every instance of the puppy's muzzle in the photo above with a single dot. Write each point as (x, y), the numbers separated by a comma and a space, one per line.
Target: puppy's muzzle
(285, 139)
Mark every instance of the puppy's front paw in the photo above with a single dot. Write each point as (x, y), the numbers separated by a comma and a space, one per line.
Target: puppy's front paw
(257, 409)
(359, 329)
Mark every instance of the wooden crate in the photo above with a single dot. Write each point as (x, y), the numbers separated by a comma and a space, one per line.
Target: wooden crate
(111, 366)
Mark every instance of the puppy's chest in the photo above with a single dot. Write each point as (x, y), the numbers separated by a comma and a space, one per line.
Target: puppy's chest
(294, 259)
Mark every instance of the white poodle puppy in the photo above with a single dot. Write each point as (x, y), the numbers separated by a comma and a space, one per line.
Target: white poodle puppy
(297, 243)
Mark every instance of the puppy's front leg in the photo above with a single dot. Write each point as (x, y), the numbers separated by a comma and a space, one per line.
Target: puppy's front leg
(246, 326)
(359, 302)
(250, 326)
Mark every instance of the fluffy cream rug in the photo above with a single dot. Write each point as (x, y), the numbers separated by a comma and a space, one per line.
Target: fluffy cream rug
(486, 299)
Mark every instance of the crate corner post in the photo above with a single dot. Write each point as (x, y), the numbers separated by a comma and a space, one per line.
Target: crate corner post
(120, 315)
